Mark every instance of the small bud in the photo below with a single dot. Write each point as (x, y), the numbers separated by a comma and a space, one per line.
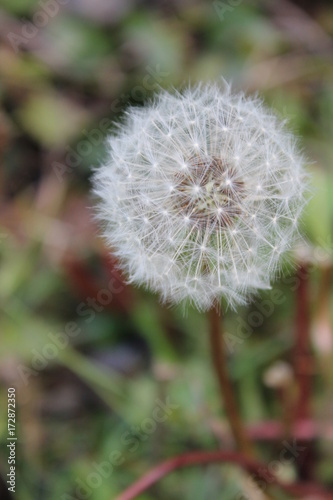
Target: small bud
(278, 375)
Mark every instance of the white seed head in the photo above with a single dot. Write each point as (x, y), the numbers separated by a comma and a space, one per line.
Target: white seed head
(225, 184)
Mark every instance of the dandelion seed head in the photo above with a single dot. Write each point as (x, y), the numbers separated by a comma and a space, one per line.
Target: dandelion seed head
(204, 203)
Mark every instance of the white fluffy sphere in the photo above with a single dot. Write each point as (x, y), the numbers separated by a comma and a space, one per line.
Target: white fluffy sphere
(200, 195)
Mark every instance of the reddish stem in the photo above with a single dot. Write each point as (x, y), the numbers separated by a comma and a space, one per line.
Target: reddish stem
(257, 469)
(303, 365)
(227, 392)
(303, 360)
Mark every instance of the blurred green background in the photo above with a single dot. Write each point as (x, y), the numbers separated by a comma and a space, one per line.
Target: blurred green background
(93, 359)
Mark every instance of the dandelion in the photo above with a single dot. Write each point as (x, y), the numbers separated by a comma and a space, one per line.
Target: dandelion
(200, 195)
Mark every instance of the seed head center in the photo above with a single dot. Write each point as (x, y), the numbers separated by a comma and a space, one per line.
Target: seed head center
(210, 191)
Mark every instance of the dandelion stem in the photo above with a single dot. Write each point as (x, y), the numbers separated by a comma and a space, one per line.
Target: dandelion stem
(226, 390)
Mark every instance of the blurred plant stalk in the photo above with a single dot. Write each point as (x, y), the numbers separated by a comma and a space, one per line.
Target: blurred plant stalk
(322, 331)
(303, 365)
(303, 362)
